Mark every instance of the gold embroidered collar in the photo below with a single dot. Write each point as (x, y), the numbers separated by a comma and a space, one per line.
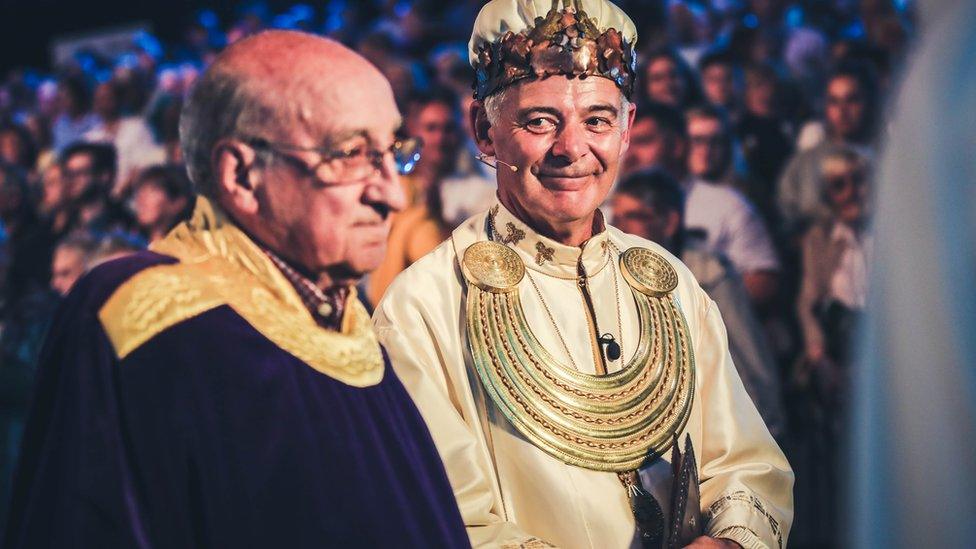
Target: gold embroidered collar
(219, 265)
(544, 254)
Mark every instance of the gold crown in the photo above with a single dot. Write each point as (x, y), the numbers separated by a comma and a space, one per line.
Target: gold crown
(567, 41)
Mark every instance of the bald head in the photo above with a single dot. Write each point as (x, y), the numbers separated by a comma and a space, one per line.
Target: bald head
(269, 134)
(273, 85)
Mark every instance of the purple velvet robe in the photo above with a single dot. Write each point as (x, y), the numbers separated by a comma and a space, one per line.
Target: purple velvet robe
(209, 435)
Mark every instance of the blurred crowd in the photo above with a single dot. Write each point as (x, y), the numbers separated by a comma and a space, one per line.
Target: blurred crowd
(751, 158)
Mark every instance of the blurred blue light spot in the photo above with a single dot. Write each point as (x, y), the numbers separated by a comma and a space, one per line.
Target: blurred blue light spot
(794, 17)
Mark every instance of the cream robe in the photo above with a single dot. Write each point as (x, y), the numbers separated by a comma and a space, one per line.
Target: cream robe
(509, 490)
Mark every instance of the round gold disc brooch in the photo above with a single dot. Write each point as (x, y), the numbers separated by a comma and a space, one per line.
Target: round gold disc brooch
(648, 272)
(493, 267)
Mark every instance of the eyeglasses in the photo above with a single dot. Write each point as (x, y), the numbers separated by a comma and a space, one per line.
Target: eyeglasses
(840, 183)
(351, 165)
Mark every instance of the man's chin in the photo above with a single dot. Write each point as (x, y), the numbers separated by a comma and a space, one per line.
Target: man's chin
(366, 262)
(570, 205)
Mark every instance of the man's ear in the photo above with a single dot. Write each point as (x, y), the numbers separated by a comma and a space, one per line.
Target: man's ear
(236, 182)
(478, 117)
(629, 125)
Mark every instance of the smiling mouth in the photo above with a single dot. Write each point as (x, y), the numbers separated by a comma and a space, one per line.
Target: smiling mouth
(563, 182)
(562, 175)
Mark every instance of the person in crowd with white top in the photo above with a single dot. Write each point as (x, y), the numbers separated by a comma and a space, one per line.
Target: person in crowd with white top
(714, 210)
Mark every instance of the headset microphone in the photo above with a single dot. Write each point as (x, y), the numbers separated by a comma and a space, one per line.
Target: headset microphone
(483, 158)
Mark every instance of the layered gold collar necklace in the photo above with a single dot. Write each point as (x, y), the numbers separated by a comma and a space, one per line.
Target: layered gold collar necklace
(611, 422)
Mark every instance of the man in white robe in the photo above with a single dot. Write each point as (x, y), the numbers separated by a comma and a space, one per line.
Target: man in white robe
(558, 141)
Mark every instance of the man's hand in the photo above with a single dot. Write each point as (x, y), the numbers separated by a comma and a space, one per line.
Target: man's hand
(705, 542)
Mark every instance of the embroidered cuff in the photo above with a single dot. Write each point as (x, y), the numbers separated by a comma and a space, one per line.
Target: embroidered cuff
(531, 543)
(742, 517)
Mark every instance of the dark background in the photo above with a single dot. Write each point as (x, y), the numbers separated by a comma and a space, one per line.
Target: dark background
(27, 27)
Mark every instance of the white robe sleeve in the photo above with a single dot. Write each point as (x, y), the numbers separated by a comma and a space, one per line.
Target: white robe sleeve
(746, 482)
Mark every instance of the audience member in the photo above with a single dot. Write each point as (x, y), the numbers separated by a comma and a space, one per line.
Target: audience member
(720, 81)
(432, 117)
(667, 79)
(764, 135)
(836, 255)
(53, 194)
(163, 196)
(17, 147)
(650, 204)
(113, 246)
(74, 116)
(27, 241)
(658, 139)
(89, 172)
(835, 260)
(848, 120)
(134, 143)
(725, 219)
(70, 261)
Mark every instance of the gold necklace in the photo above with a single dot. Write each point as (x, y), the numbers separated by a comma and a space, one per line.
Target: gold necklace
(611, 422)
(493, 235)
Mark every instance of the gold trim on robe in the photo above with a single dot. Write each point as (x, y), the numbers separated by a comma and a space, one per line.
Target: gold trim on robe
(219, 265)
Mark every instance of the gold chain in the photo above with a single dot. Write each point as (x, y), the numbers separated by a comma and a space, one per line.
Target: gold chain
(553, 321)
(616, 293)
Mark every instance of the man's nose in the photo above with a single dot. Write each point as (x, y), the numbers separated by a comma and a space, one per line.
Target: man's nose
(385, 190)
(570, 143)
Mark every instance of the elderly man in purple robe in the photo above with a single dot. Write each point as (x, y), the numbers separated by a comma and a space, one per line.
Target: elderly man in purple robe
(225, 388)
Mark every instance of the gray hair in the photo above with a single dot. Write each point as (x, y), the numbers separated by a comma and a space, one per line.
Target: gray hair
(840, 159)
(493, 105)
(222, 104)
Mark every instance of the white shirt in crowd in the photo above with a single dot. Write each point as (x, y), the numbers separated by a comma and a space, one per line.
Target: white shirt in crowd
(134, 143)
(731, 226)
(849, 283)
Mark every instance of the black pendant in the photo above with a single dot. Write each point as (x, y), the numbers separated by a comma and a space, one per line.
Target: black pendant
(612, 351)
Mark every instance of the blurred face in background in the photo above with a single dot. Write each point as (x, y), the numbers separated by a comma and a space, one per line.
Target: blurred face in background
(664, 83)
(154, 208)
(708, 147)
(760, 95)
(846, 188)
(67, 267)
(718, 83)
(67, 102)
(845, 108)
(78, 172)
(105, 102)
(633, 216)
(12, 148)
(53, 194)
(436, 125)
(650, 146)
